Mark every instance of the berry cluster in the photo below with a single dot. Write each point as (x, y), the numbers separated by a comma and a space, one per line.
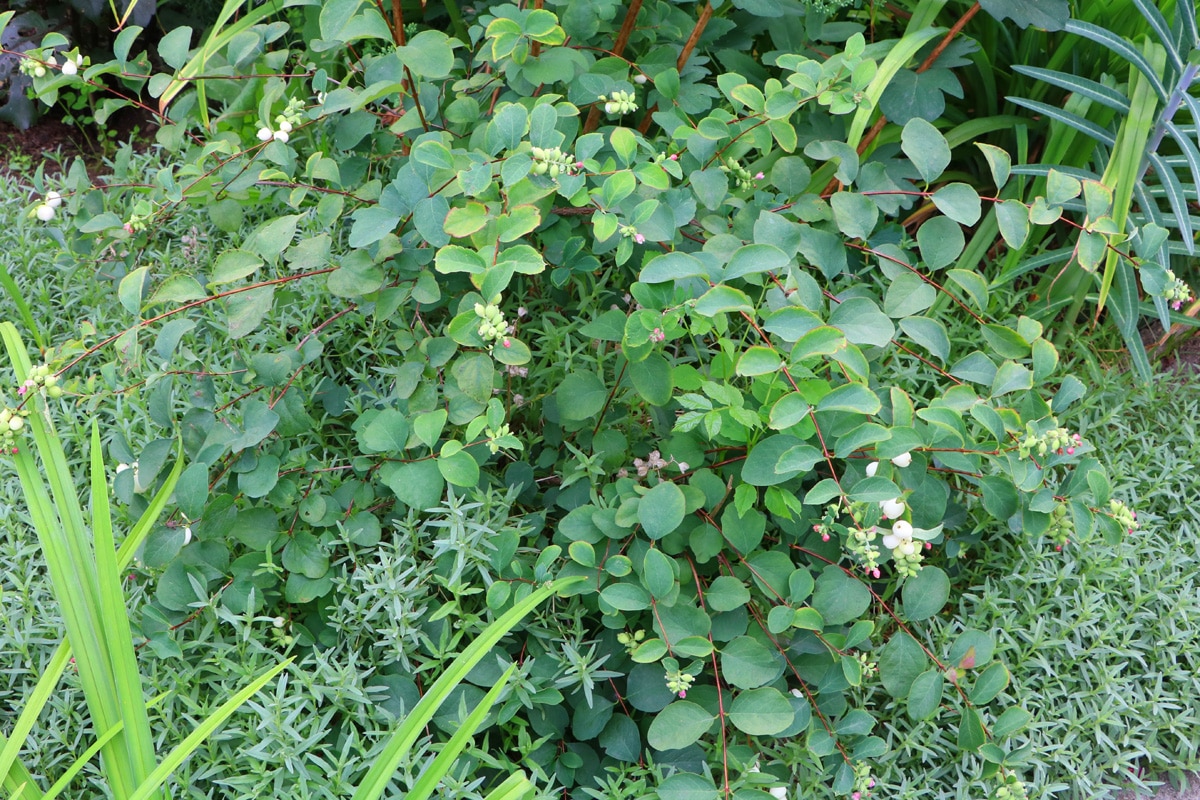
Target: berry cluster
(1055, 440)
(41, 377)
(678, 681)
(619, 102)
(1062, 526)
(1177, 292)
(631, 640)
(493, 328)
(48, 208)
(1126, 518)
(284, 123)
(552, 161)
(1011, 789)
(740, 174)
(863, 782)
(905, 552)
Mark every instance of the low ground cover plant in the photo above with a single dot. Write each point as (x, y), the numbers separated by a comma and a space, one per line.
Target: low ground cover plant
(472, 312)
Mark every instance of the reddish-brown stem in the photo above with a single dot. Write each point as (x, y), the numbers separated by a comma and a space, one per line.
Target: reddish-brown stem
(688, 46)
(593, 118)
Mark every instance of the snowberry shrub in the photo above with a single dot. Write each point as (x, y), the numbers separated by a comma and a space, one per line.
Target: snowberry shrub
(704, 340)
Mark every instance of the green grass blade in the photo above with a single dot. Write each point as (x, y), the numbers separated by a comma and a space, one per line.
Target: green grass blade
(1185, 15)
(432, 775)
(1175, 195)
(1104, 95)
(65, 779)
(205, 729)
(1162, 30)
(119, 638)
(1122, 48)
(64, 539)
(515, 786)
(377, 778)
(1124, 167)
(1084, 126)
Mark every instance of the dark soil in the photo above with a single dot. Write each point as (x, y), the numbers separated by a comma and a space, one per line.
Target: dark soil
(55, 143)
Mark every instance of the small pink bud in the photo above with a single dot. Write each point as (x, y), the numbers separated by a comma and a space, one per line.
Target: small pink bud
(1070, 451)
(673, 157)
(15, 451)
(875, 573)
(1058, 547)
(129, 228)
(578, 165)
(816, 527)
(824, 537)
(507, 342)
(1068, 541)
(1078, 438)
(639, 238)
(21, 390)
(1131, 530)
(1135, 515)
(758, 177)
(929, 545)
(871, 785)
(856, 796)
(682, 694)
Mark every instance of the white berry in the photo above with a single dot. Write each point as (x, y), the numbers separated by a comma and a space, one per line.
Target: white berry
(264, 134)
(45, 212)
(902, 460)
(872, 468)
(281, 136)
(70, 67)
(53, 199)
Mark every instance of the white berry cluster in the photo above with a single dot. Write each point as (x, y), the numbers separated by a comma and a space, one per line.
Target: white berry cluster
(285, 123)
(48, 208)
(618, 103)
(552, 161)
(905, 551)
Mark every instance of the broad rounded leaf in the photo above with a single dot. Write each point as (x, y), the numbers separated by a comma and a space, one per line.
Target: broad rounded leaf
(661, 509)
(925, 593)
(761, 712)
(678, 725)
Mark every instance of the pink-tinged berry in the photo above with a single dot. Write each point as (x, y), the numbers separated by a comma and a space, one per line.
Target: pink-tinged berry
(759, 177)
(128, 228)
(682, 694)
(1070, 451)
(1058, 547)
(16, 450)
(508, 342)
(875, 573)
(856, 796)
(824, 537)
(673, 157)
(929, 545)
(639, 238)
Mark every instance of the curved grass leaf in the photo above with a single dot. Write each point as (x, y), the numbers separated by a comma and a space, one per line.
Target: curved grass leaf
(1122, 48)
(1156, 21)
(1104, 95)
(379, 776)
(1067, 118)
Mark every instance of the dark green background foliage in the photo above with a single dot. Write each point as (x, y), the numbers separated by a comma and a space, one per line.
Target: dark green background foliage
(482, 305)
